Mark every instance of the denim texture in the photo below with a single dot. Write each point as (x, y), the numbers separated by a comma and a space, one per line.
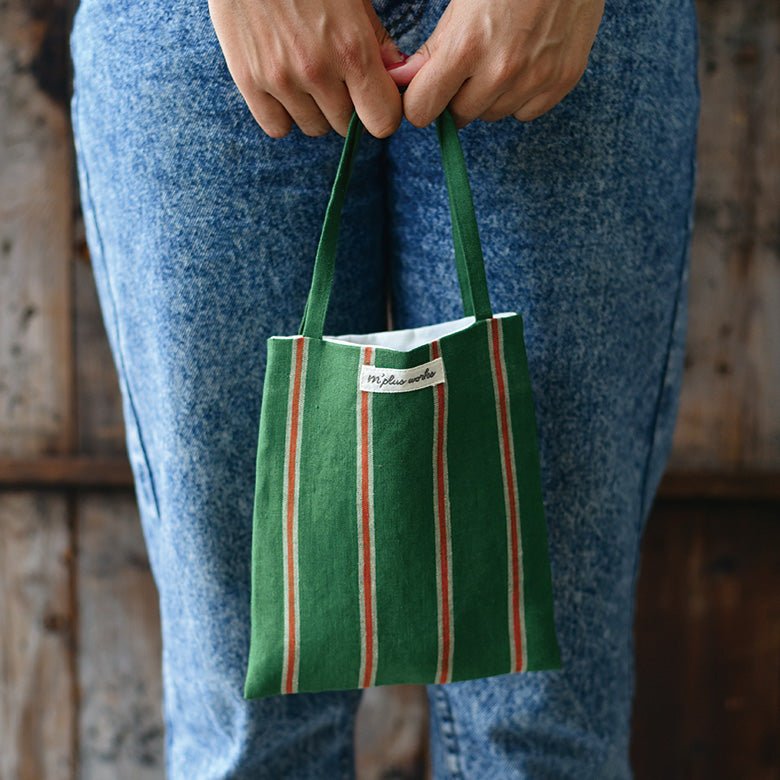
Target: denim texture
(203, 231)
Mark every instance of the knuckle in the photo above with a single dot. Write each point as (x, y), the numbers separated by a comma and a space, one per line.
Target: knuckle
(320, 127)
(414, 112)
(278, 78)
(384, 127)
(342, 123)
(571, 75)
(277, 132)
(529, 114)
(271, 126)
(415, 117)
(504, 73)
(458, 117)
(313, 70)
(353, 56)
(263, 122)
(545, 72)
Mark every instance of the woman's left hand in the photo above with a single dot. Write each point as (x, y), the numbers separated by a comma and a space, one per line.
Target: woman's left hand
(490, 59)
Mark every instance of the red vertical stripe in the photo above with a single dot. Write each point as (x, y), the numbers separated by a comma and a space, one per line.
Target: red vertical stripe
(442, 529)
(367, 541)
(514, 552)
(291, 488)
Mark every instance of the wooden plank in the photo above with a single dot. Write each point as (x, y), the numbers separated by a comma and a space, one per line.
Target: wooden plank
(37, 686)
(698, 485)
(85, 471)
(36, 204)
(731, 394)
(67, 471)
(38, 691)
(708, 643)
(121, 726)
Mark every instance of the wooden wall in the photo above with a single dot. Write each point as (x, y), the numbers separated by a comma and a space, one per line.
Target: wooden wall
(730, 408)
(79, 643)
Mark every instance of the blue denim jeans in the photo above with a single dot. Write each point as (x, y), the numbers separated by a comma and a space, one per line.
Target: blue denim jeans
(202, 232)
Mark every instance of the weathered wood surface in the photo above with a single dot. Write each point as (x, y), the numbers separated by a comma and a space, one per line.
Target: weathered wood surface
(708, 644)
(120, 723)
(36, 237)
(38, 688)
(37, 683)
(730, 406)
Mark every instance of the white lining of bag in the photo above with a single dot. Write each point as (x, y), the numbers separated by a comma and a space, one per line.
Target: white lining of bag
(406, 339)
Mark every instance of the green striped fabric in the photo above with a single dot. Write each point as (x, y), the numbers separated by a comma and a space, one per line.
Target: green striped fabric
(399, 532)
(399, 537)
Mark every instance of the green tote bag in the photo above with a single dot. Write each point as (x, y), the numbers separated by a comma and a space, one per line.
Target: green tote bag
(398, 528)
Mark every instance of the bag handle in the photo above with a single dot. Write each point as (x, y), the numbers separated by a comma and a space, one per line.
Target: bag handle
(468, 250)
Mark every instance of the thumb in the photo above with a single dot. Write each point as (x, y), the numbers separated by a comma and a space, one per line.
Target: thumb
(403, 74)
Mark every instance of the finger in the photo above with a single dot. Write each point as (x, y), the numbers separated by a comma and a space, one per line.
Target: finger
(548, 96)
(305, 112)
(374, 94)
(523, 105)
(392, 57)
(441, 71)
(335, 103)
(474, 98)
(537, 106)
(269, 113)
(404, 73)
(431, 90)
(526, 101)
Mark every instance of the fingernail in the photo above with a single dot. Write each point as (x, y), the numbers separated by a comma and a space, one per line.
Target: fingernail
(398, 64)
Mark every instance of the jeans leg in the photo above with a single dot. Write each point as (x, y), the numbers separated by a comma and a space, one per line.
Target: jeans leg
(202, 232)
(585, 217)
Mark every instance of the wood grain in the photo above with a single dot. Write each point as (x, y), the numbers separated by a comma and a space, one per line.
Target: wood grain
(730, 406)
(36, 214)
(120, 724)
(37, 686)
(708, 643)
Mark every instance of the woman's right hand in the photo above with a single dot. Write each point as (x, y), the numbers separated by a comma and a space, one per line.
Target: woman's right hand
(311, 62)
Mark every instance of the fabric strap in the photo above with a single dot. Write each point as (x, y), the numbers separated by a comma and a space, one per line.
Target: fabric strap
(468, 249)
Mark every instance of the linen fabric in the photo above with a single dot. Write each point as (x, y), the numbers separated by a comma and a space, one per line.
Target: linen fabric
(416, 549)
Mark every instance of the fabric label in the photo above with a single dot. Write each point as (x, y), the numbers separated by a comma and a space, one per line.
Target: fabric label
(398, 380)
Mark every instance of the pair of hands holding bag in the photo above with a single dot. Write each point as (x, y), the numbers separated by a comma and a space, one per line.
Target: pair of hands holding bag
(313, 62)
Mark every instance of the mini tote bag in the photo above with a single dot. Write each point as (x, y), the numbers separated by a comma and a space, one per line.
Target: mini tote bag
(398, 528)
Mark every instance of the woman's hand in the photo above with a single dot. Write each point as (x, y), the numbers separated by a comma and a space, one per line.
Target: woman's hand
(490, 59)
(311, 62)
